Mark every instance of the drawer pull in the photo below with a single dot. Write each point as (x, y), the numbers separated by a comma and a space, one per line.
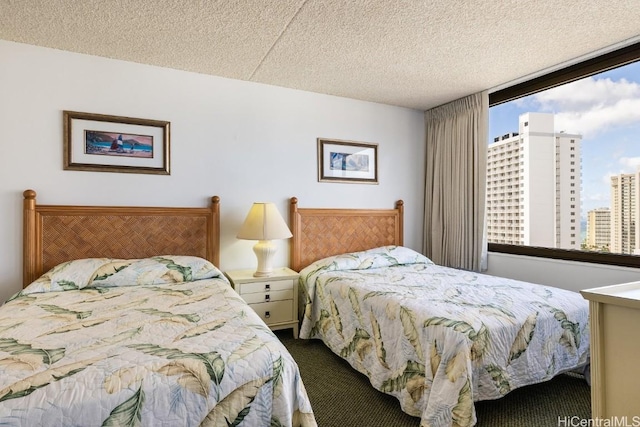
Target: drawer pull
(267, 287)
(267, 297)
(267, 314)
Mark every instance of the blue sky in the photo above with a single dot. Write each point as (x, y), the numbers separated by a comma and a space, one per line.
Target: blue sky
(604, 109)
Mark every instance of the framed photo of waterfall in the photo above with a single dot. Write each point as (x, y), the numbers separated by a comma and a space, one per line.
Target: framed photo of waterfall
(105, 143)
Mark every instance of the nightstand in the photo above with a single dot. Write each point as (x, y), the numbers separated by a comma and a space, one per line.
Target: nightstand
(274, 298)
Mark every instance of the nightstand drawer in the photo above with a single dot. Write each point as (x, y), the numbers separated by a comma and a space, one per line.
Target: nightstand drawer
(274, 312)
(274, 298)
(265, 286)
(258, 297)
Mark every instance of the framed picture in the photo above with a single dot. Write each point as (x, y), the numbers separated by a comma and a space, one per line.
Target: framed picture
(347, 161)
(103, 143)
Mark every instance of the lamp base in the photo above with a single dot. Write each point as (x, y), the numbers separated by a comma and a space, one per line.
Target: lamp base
(264, 250)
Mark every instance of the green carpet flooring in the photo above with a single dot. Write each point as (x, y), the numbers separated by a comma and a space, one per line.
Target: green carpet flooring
(342, 397)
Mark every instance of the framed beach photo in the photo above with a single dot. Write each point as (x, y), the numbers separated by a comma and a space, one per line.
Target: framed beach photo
(347, 161)
(104, 143)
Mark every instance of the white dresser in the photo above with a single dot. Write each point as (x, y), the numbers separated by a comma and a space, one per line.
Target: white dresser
(274, 298)
(615, 351)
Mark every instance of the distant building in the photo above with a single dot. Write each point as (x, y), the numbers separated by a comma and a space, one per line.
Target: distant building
(624, 213)
(533, 185)
(598, 229)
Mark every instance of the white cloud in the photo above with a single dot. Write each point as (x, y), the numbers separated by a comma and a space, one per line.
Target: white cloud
(525, 101)
(627, 165)
(585, 93)
(592, 105)
(630, 164)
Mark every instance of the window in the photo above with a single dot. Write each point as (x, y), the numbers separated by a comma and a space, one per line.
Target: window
(550, 105)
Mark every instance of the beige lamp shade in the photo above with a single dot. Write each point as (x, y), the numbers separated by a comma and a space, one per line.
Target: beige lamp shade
(264, 223)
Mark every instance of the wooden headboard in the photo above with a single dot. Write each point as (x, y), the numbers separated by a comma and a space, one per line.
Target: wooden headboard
(55, 234)
(319, 233)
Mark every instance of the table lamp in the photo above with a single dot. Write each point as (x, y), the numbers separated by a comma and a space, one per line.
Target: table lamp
(264, 224)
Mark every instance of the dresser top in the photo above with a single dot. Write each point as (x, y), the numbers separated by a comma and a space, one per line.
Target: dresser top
(625, 294)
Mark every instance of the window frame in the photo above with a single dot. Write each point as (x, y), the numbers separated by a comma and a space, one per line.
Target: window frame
(608, 61)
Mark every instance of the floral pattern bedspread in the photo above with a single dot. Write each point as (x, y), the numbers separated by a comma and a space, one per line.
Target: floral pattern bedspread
(438, 338)
(163, 341)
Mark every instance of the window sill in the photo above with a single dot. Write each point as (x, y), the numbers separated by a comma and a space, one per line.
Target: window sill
(568, 255)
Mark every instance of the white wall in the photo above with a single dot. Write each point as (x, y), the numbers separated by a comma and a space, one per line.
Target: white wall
(570, 275)
(242, 141)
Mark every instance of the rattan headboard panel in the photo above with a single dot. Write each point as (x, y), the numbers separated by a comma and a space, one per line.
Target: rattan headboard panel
(319, 233)
(55, 234)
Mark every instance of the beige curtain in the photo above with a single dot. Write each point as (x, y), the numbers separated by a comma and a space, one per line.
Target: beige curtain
(455, 183)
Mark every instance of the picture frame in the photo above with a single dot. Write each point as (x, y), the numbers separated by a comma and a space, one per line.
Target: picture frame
(347, 161)
(106, 143)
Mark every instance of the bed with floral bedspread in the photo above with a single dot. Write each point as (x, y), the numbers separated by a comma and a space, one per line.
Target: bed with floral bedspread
(162, 341)
(437, 338)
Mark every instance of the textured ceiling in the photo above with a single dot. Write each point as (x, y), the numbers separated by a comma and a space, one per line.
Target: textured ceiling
(411, 53)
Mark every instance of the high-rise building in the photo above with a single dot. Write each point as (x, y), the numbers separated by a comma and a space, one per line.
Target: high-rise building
(533, 185)
(598, 230)
(624, 213)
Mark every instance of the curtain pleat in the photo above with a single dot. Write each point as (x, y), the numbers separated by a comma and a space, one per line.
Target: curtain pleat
(455, 183)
